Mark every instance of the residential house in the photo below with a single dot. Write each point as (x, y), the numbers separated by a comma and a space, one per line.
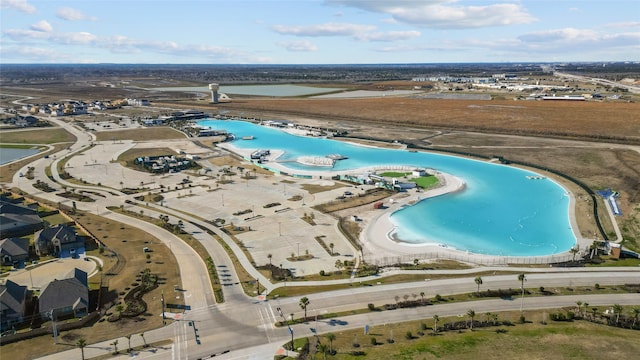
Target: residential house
(17, 220)
(14, 251)
(57, 240)
(65, 297)
(13, 304)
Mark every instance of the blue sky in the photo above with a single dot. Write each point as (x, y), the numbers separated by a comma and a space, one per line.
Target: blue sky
(318, 32)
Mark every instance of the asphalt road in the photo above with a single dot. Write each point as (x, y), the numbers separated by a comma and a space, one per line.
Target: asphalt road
(244, 326)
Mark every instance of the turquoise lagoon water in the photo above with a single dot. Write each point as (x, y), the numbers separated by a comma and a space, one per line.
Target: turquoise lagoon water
(500, 211)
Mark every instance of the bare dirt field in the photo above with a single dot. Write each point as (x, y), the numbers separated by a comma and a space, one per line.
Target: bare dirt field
(593, 120)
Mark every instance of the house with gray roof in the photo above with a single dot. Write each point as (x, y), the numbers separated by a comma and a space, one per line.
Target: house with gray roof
(14, 251)
(66, 297)
(57, 239)
(17, 220)
(13, 304)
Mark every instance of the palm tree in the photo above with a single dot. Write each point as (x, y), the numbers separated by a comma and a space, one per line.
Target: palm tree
(304, 302)
(330, 337)
(478, 281)
(331, 247)
(128, 338)
(115, 346)
(617, 309)
(635, 312)
(143, 340)
(574, 251)
(422, 295)
(322, 348)
(416, 262)
(488, 315)
(522, 278)
(471, 313)
(435, 323)
(579, 304)
(494, 318)
(81, 343)
(586, 306)
(269, 256)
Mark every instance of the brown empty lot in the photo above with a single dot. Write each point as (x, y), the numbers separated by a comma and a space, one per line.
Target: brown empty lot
(619, 121)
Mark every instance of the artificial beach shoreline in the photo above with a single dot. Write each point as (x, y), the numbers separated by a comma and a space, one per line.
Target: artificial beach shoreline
(379, 237)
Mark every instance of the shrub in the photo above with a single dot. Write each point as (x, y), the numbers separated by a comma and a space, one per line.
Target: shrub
(374, 342)
(423, 326)
(321, 272)
(408, 335)
(371, 307)
(438, 297)
(522, 319)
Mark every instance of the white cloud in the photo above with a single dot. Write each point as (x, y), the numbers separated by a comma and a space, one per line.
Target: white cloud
(34, 54)
(43, 26)
(560, 35)
(20, 5)
(355, 31)
(329, 29)
(444, 14)
(624, 25)
(388, 36)
(299, 46)
(70, 14)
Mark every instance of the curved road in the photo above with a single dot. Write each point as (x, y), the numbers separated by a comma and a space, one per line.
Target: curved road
(245, 326)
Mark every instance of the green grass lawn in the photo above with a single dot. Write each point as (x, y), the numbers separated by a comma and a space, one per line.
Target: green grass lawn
(394, 174)
(532, 340)
(425, 182)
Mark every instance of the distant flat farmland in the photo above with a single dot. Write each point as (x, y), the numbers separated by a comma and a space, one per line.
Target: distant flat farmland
(603, 120)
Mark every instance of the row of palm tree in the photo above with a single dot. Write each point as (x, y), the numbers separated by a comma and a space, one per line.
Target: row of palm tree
(82, 343)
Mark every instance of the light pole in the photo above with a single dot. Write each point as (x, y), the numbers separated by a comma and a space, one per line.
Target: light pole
(298, 250)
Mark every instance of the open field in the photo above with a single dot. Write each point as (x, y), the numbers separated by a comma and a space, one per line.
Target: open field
(36, 136)
(532, 340)
(592, 120)
(145, 134)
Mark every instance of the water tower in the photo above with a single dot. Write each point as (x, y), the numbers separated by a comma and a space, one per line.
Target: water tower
(214, 92)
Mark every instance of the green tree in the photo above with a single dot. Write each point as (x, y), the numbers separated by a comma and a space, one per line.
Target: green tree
(304, 302)
(119, 309)
(269, 256)
(330, 337)
(522, 278)
(81, 344)
(579, 306)
(416, 262)
(472, 314)
(331, 245)
(574, 251)
(478, 281)
(435, 323)
(422, 295)
(635, 312)
(617, 309)
(323, 348)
